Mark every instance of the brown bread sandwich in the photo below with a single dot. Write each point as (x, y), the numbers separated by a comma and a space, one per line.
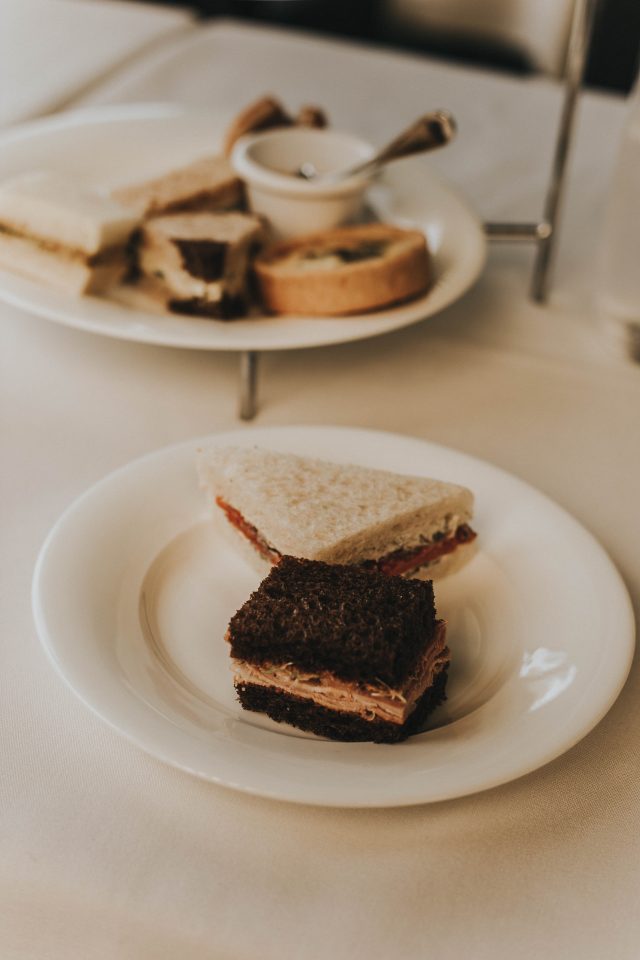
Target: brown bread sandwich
(340, 652)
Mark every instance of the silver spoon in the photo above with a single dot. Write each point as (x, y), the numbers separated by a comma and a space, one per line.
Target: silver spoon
(429, 132)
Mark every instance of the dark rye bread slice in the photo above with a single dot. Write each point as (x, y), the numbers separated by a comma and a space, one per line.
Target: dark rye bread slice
(359, 625)
(306, 715)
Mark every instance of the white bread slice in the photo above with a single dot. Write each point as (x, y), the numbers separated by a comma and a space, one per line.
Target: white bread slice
(72, 274)
(339, 513)
(208, 183)
(52, 209)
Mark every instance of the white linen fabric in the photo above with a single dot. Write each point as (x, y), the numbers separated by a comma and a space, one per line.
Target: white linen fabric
(52, 50)
(106, 852)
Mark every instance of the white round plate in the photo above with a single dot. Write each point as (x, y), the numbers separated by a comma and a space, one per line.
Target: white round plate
(134, 588)
(111, 146)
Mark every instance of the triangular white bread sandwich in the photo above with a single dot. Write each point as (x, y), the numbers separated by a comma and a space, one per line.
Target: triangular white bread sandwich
(279, 504)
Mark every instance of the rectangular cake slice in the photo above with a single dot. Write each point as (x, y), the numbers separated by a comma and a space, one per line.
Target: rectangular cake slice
(340, 652)
(198, 263)
(54, 230)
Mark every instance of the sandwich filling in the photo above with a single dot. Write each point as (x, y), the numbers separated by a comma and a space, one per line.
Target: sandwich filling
(403, 561)
(249, 532)
(396, 563)
(318, 258)
(369, 700)
(110, 254)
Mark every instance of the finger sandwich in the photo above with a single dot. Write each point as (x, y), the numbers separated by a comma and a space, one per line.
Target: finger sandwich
(197, 264)
(277, 504)
(58, 232)
(340, 652)
(208, 183)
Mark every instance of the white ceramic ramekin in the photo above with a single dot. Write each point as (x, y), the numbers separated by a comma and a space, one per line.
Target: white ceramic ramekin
(293, 206)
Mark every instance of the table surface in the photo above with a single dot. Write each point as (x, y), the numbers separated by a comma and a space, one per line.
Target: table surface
(108, 853)
(80, 44)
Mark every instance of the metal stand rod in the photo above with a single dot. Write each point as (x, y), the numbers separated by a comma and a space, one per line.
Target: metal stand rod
(544, 233)
(248, 382)
(517, 231)
(581, 23)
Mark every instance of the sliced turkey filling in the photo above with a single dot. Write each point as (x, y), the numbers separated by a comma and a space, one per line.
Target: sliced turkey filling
(372, 701)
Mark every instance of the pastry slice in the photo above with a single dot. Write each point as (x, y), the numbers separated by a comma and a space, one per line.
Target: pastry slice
(343, 271)
(339, 652)
(197, 263)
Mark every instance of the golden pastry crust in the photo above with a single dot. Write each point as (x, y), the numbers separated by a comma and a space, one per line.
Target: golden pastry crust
(343, 271)
(262, 114)
(310, 116)
(268, 113)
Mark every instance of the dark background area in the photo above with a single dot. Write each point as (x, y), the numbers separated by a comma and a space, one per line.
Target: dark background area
(612, 63)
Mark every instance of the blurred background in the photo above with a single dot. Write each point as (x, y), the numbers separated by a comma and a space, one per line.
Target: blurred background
(515, 35)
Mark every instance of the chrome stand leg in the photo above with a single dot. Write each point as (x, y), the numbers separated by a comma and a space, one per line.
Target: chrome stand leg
(578, 48)
(516, 231)
(248, 381)
(543, 233)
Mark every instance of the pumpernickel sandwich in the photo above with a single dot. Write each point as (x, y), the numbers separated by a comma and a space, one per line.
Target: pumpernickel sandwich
(340, 652)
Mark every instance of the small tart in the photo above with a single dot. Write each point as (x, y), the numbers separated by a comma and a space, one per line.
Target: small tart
(343, 271)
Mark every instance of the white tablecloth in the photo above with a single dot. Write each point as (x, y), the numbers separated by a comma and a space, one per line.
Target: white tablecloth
(52, 50)
(108, 853)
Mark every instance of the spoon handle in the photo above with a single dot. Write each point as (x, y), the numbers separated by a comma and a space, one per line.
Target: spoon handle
(431, 131)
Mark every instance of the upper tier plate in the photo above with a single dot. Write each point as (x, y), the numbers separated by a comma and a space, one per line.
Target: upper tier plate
(112, 146)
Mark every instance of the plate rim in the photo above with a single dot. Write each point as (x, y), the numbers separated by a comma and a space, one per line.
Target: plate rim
(625, 612)
(20, 294)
